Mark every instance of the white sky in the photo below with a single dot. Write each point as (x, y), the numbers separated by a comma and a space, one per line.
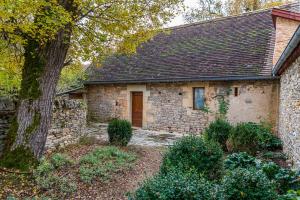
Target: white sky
(179, 19)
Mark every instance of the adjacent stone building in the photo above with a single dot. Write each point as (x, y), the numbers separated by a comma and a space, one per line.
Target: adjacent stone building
(176, 81)
(288, 68)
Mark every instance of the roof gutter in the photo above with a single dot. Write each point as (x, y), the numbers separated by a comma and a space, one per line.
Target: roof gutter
(293, 43)
(175, 80)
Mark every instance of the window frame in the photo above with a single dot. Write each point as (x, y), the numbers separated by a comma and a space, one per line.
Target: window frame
(194, 89)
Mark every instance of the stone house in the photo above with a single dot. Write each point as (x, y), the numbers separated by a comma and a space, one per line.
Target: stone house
(185, 71)
(288, 68)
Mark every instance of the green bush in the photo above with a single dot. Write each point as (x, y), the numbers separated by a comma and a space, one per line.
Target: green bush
(237, 160)
(248, 184)
(251, 137)
(218, 131)
(175, 185)
(284, 179)
(119, 132)
(60, 160)
(192, 152)
(267, 140)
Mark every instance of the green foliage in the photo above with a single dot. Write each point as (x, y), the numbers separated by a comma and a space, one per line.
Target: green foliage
(287, 179)
(102, 162)
(119, 132)
(248, 184)
(218, 131)
(175, 185)
(251, 137)
(283, 179)
(210, 9)
(239, 160)
(71, 77)
(47, 178)
(20, 158)
(274, 155)
(59, 160)
(223, 107)
(192, 152)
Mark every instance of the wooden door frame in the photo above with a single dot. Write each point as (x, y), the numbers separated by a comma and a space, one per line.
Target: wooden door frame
(131, 106)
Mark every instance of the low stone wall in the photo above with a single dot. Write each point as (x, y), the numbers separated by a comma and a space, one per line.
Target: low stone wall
(7, 111)
(68, 121)
(289, 111)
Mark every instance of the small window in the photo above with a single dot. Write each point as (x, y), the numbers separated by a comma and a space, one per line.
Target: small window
(236, 91)
(198, 98)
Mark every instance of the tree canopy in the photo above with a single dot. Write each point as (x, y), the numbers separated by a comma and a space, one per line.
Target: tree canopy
(99, 28)
(210, 9)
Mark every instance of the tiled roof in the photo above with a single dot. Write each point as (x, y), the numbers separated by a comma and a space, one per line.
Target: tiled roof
(225, 48)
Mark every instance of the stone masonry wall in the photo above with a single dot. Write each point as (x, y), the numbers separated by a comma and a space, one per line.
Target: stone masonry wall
(7, 110)
(169, 113)
(169, 106)
(113, 100)
(68, 121)
(289, 111)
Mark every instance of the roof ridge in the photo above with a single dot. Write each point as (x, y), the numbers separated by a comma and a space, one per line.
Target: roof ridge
(228, 17)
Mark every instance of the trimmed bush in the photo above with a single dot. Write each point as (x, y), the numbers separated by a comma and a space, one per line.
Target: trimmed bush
(218, 131)
(175, 185)
(192, 152)
(119, 132)
(242, 160)
(251, 137)
(248, 184)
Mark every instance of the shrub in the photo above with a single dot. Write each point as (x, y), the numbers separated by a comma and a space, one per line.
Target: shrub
(248, 184)
(119, 132)
(267, 140)
(60, 160)
(175, 185)
(237, 160)
(251, 137)
(286, 179)
(218, 131)
(192, 152)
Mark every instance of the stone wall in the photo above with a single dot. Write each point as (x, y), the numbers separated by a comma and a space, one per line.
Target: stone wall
(289, 111)
(170, 106)
(68, 121)
(7, 110)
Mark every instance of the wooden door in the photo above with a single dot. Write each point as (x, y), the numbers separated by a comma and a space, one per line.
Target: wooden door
(137, 109)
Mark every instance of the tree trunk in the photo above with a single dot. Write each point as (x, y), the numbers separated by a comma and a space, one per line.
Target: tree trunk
(41, 70)
(42, 66)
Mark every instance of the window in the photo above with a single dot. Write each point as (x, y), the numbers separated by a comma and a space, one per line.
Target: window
(236, 91)
(198, 98)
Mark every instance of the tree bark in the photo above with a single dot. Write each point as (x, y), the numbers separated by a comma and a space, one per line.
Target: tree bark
(42, 66)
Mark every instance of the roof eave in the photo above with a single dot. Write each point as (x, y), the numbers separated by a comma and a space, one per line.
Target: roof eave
(215, 78)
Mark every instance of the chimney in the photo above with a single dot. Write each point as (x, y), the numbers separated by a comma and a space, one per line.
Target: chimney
(286, 23)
